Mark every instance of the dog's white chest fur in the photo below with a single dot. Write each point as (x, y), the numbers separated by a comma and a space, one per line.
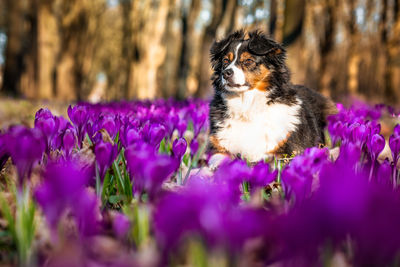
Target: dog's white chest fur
(254, 129)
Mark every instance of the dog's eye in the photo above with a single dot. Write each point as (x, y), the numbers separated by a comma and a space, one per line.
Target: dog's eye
(248, 62)
(225, 61)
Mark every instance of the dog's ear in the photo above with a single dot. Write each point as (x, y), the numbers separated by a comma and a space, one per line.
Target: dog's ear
(262, 45)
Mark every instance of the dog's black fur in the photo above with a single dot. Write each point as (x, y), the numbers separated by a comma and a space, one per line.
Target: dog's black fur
(278, 89)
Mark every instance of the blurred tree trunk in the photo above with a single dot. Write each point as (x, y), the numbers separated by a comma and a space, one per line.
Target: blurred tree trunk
(293, 21)
(127, 51)
(172, 37)
(390, 42)
(223, 15)
(47, 48)
(293, 38)
(394, 54)
(14, 53)
(29, 82)
(69, 26)
(188, 22)
(354, 56)
(326, 43)
(149, 51)
(280, 18)
(228, 22)
(273, 17)
(78, 30)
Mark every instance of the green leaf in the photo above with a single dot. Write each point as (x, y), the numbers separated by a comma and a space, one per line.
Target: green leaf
(88, 139)
(118, 175)
(186, 159)
(190, 126)
(114, 199)
(127, 181)
(106, 187)
(162, 148)
(6, 211)
(198, 154)
(116, 139)
(197, 254)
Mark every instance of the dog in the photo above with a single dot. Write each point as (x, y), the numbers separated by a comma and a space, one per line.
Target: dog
(256, 112)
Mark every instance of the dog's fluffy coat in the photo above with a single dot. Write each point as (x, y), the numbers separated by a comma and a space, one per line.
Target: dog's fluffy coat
(256, 111)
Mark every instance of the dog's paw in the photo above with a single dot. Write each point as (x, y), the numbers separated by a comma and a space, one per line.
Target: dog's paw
(215, 161)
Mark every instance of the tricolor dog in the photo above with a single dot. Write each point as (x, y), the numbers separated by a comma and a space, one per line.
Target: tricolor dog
(256, 112)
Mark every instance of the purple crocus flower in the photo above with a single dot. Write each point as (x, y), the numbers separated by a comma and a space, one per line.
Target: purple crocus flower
(129, 135)
(359, 134)
(383, 173)
(66, 140)
(261, 176)
(181, 126)
(375, 127)
(232, 174)
(336, 130)
(396, 130)
(148, 169)
(376, 145)
(105, 154)
(156, 134)
(350, 154)
(394, 144)
(199, 119)
(298, 176)
(109, 123)
(48, 124)
(64, 189)
(172, 120)
(26, 147)
(78, 114)
(243, 224)
(197, 209)
(121, 225)
(194, 147)
(204, 209)
(179, 148)
(79, 117)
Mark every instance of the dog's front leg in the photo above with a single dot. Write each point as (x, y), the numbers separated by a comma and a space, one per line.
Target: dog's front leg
(220, 154)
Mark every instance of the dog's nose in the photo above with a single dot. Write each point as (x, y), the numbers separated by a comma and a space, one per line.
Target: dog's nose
(227, 73)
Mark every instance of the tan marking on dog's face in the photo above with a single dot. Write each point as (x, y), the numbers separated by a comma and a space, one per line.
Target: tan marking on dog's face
(256, 76)
(277, 51)
(246, 55)
(227, 59)
(229, 56)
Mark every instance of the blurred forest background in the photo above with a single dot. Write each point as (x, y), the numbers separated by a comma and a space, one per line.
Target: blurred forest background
(96, 50)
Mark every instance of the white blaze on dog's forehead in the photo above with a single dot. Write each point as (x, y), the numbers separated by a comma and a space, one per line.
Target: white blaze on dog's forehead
(235, 56)
(238, 76)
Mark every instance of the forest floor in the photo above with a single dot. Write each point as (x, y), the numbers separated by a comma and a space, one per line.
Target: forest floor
(22, 111)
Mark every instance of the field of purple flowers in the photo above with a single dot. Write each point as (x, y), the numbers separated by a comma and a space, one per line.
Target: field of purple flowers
(128, 184)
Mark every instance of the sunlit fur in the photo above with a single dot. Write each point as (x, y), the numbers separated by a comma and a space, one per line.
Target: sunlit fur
(256, 111)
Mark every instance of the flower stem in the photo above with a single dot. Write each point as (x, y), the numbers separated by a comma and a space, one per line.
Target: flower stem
(180, 176)
(371, 170)
(98, 182)
(188, 172)
(24, 227)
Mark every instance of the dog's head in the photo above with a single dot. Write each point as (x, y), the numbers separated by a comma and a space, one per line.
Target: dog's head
(249, 61)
